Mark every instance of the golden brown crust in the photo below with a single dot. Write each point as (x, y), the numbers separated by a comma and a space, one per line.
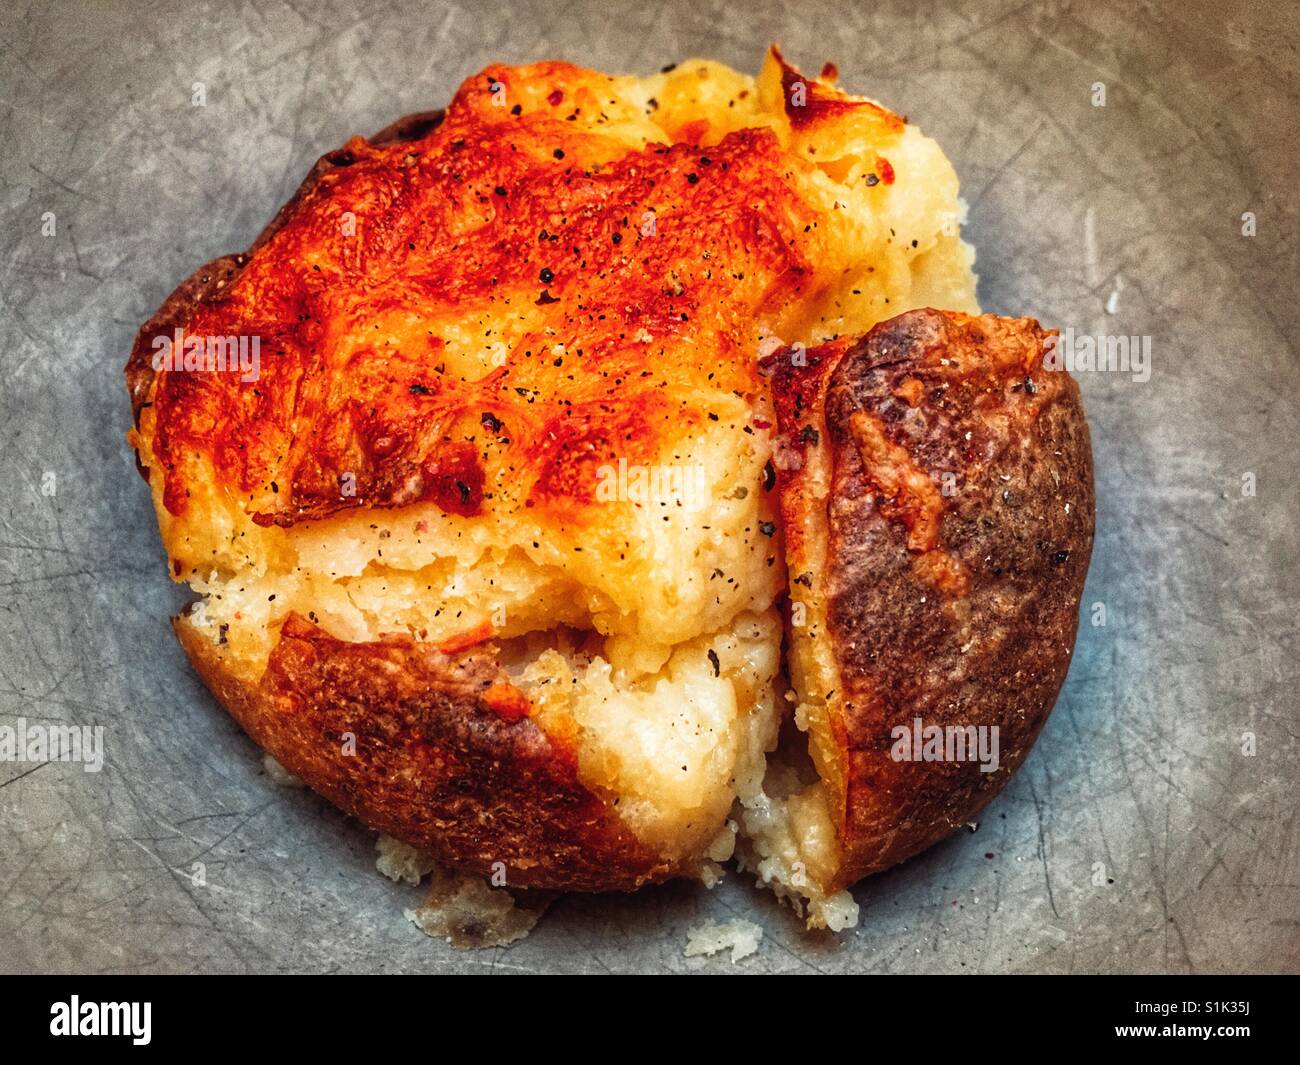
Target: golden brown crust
(433, 749)
(960, 521)
(598, 255)
(213, 278)
(435, 766)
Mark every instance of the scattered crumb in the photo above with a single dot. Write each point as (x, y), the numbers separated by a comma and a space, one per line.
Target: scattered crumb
(460, 908)
(470, 915)
(279, 774)
(838, 912)
(400, 861)
(742, 937)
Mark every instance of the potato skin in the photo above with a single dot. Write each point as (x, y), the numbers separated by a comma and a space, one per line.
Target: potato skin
(446, 758)
(958, 608)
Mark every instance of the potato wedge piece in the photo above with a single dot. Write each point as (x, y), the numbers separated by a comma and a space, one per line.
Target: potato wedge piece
(936, 495)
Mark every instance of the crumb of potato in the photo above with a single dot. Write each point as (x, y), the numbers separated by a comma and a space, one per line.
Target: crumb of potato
(470, 915)
(741, 937)
(400, 861)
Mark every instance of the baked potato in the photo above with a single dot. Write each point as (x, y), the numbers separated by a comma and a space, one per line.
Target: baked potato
(512, 454)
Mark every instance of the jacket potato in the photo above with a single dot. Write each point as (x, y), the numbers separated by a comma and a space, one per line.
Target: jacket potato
(557, 473)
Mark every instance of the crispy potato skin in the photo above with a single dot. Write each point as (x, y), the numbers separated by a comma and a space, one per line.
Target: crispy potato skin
(821, 104)
(442, 756)
(958, 607)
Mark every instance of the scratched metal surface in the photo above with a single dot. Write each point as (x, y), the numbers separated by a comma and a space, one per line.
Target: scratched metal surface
(1141, 767)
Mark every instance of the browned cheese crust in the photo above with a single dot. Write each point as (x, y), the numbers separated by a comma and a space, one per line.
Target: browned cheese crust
(434, 749)
(210, 280)
(957, 526)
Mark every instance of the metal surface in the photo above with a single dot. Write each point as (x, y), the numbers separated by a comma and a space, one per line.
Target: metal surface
(1137, 837)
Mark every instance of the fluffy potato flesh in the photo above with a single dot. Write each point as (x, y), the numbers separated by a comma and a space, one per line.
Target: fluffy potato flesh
(509, 391)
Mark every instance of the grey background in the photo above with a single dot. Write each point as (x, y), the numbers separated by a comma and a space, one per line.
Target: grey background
(1140, 767)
